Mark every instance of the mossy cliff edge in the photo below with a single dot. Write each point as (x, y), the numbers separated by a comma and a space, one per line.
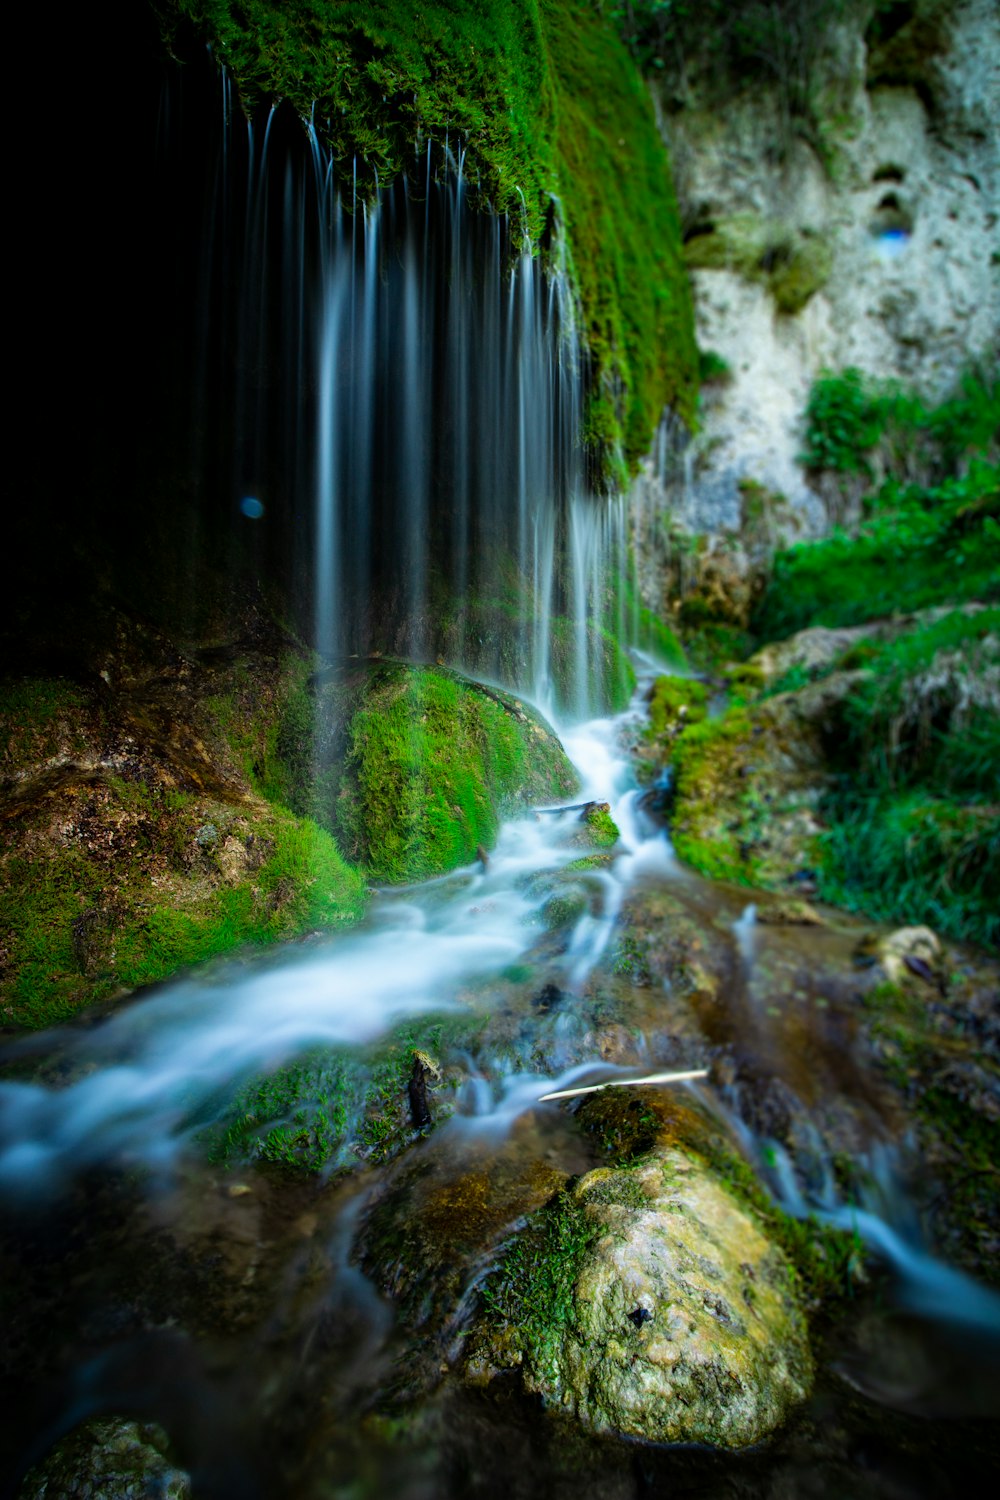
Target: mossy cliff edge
(556, 122)
(178, 804)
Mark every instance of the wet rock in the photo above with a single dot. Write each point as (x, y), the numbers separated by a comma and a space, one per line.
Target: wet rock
(790, 913)
(425, 1075)
(112, 1460)
(677, 1319)
(909, 951)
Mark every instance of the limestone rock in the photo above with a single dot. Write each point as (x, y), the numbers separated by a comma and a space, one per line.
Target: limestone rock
(871, 245)
(908, 951)
(685, 1324)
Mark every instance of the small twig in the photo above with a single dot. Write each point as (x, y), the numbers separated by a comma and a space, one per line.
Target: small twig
(583, 807)
(626, 1083)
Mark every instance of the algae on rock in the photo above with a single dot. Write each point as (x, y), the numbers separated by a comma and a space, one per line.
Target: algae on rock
(669, 1315)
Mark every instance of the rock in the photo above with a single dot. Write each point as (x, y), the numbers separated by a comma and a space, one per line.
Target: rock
(791, 913)
(680, 1320)
(905, 952)
(747, 786)
(113, 1460)
(768, 226)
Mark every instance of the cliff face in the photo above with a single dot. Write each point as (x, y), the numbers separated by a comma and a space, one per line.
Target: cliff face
(872, 243)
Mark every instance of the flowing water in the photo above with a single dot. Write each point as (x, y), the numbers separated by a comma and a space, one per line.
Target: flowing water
(250, 1311)
(386, 397)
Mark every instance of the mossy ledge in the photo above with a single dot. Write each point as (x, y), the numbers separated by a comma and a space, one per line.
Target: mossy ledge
(555, 118)
(154, 821)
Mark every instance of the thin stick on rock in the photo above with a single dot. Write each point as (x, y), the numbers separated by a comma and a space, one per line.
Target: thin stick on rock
(625, 1083)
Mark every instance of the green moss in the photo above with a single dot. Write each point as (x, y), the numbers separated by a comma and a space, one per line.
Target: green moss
(551, 107)
(533, 1291)
(670, 696)
(793, 281)
(335, 1107)
(707, 761)
(566, 907)
(38, 720)
(792, 265)
(72, 933)
(433, 762)
(601, 829)
(712, 644)
(110, 880)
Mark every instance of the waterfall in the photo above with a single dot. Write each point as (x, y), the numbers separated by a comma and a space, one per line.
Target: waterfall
(396, 381)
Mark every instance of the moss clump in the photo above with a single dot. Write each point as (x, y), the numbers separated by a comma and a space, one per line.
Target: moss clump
(432, 764)
(565, 907)
(601, 830)
(129, 895)
(676, 698)
(551, 107)
(791, 264)
(706, 762)
(333, 1108)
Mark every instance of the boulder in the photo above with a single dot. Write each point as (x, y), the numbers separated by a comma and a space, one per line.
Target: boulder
(113, 1459)
(675, 1319)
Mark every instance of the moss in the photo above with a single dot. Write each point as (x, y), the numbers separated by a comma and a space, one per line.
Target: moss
(533, 1291)
(432, 764)
(333, 1108)
(601, 828)
(712, 644)
(120, 869)
(629, 1129)
(74, 931)
(675, 698)
(590, 862)
(791, 264)
(806, 271)
(38, 720)
(551, 108)
(705, 762)
(566, 907)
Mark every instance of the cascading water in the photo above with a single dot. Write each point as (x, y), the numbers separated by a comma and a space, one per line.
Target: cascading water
(402, 368)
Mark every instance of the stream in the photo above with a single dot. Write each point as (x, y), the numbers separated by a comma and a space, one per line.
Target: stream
(257, 1315)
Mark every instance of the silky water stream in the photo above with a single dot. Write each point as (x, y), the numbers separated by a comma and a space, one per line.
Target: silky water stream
(301, 1334)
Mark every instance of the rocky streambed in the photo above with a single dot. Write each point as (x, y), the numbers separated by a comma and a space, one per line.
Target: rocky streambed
(310, 1217)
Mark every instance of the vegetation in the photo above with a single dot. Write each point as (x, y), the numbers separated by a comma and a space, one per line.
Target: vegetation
(432, 764)
(554, 116)
(332, 1108)
(913, 744)
(771, 43)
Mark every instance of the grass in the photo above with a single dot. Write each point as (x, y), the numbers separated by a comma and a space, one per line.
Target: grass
(929, 547)
(913, 820)
(554, 115)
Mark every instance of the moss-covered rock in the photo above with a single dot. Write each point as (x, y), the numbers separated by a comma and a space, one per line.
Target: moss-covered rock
(432, 762)
(651, 1304)
(748, 785)
(112, 1458)
(791, 263)
(139, 836)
